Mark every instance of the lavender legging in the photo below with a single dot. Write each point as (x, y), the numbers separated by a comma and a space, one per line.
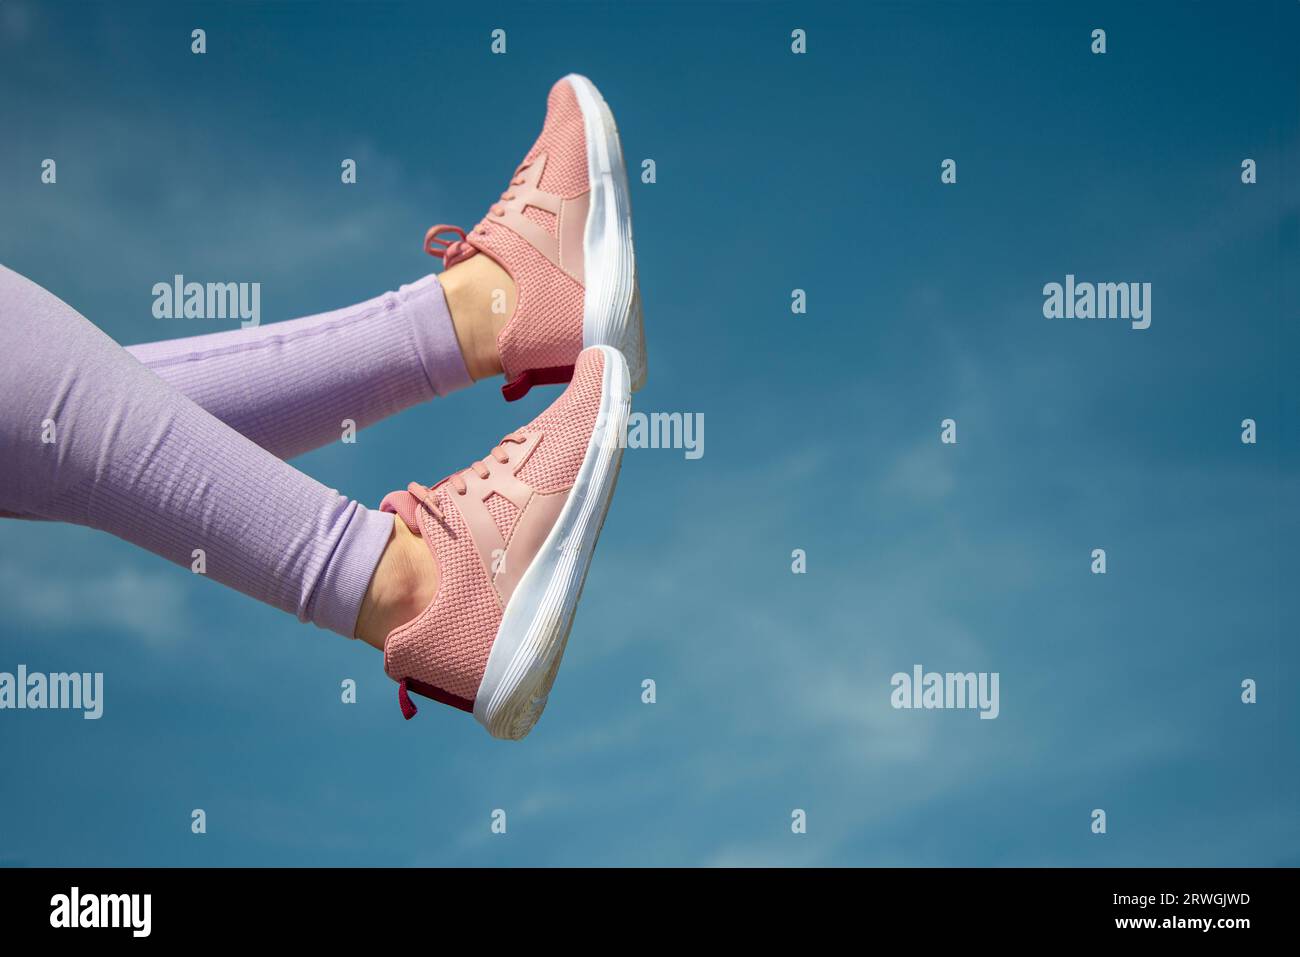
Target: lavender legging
(175, 446)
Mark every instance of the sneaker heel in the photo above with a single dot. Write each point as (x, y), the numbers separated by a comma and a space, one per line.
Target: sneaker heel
(518, 387)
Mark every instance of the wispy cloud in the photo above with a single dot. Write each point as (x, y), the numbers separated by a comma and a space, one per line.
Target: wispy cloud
(50, 590)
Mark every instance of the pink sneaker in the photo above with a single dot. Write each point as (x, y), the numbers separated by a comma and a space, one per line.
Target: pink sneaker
(563, 231)
(513, 536)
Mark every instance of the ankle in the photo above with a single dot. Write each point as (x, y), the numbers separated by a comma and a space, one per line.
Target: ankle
(481, 298)
(404, 583)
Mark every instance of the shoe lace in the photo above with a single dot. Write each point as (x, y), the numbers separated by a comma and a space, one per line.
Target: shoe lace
(452, 251)
(424, 494)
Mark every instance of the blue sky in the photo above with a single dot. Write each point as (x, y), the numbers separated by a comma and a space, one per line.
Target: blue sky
(775, 171)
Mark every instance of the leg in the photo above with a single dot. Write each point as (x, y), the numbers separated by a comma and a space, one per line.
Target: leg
(88, 435)
(523, 308)
(290, 385)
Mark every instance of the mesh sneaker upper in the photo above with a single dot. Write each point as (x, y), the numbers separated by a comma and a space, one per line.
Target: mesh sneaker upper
(564, 141)
(546, 328)
(447, 645)
(545, 331)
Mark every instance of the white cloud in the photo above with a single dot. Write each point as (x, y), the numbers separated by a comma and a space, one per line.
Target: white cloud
(64, 587)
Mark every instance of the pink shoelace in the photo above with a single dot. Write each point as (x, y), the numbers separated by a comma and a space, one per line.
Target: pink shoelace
(424, 494)
(452, 251)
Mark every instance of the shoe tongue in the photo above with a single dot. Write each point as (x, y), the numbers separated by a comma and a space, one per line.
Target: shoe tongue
(405, 505)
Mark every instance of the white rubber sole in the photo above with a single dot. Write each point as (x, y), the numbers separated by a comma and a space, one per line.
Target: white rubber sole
(612, 305)
(535, 626)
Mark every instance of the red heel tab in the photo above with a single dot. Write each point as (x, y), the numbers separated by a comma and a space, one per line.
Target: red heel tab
(407, 685)
(409, 710)
(518, 387)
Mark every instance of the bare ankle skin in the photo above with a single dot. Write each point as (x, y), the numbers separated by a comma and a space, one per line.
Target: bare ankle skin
(481, 296)
(405, 581)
